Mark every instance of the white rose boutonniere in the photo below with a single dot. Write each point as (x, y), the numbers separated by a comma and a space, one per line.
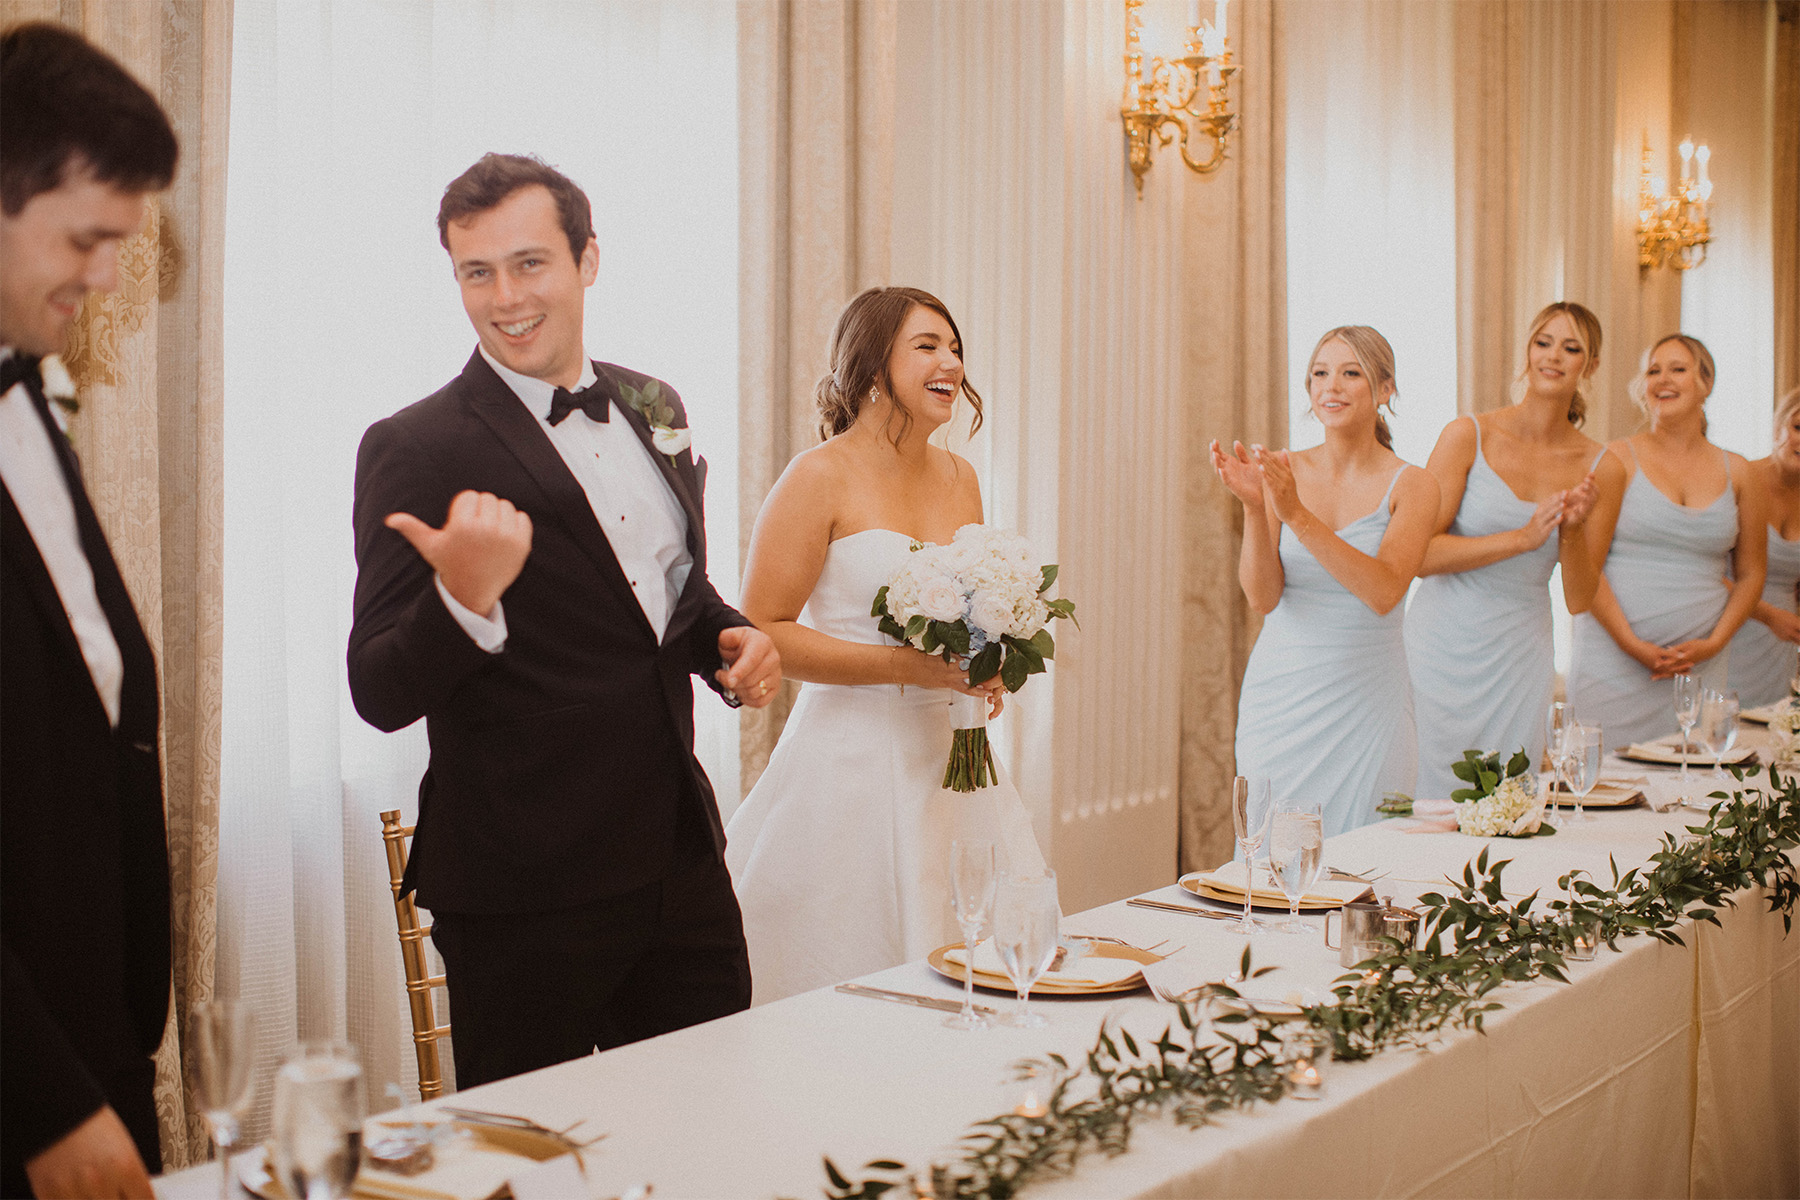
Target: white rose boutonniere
(650, 402)
(59, 386)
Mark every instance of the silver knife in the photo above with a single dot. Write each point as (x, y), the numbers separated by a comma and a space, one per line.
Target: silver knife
(937, 1002)
(1140, 902)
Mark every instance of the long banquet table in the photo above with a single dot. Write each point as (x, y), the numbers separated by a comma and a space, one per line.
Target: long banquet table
(1660, 1070)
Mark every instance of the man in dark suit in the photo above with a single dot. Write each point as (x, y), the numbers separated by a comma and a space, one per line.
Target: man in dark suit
(531, 579)
(84, 882)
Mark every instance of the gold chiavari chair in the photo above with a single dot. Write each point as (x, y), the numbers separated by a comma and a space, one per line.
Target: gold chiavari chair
(419, 980)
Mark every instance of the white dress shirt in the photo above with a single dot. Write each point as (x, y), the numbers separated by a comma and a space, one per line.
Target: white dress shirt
(29, 466)
(643, 521)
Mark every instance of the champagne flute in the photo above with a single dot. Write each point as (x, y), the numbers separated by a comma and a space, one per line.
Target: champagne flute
(1719, 730)
(1026, 916)
(972, 886)
(1250, 812)
(1296, 855)
(1582, 749)
(221, 1045)
(1687, 714)
(1557, 719)
(317, 1121)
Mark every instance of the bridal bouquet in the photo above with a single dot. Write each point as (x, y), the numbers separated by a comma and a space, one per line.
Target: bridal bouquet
(1497, 805)
(1785, 726)
(979, 601)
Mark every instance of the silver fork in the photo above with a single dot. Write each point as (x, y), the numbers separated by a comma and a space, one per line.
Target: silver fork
(1113, 941)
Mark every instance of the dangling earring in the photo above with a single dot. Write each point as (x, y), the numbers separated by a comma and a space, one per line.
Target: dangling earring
(874, 393)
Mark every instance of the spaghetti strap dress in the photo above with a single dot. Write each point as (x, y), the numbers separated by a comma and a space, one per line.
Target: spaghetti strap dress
(1762, 665)
(1479, 642)
(1326, 708)
(1667, 567)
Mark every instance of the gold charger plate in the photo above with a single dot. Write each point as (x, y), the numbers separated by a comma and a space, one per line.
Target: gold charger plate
(1667, 756)
(1235, 898)
(1604, 795)
(1049, 987)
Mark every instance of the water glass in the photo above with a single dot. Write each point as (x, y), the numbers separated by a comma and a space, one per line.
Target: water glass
(1026, 919)
(221, 1052)
(1296, 856)
(1582, 751)
(316, 1139)
(1719, 730)
(972, 884)
(1250, 813)
(1687, 715)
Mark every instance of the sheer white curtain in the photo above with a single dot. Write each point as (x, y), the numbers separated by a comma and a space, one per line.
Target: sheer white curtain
(1371, 198)
(348, 118)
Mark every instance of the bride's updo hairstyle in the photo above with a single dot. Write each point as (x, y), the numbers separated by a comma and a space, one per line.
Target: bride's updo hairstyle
(861, 346)
(1639, 387)
(1376, 358)
(1587, 332)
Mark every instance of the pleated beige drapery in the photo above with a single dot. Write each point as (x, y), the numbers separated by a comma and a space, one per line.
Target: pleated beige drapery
(147, 360)
(1786, 162)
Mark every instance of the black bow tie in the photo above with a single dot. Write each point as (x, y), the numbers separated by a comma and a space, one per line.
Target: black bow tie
(16, 367)
(592, 400)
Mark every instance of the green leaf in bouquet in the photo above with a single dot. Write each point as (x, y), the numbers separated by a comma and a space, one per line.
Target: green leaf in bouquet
(1488, 781)
(891, 627)
(1014, 671)
(1033, 660)
(1464, 770)
(880, 608)
(1049, 578)
(1518, 764)
(986, 665)
(929, 641)
(1546, 829)
(1063, 608)
(1462, 794)
(915, 626)
(1044, 644)
(953, 634)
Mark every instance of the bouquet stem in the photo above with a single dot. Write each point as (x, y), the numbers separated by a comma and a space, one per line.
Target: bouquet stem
(971, 765)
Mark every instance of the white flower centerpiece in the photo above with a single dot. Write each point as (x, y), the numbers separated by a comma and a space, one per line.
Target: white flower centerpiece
(1498, 803)
(980, 601)
(1784, 727)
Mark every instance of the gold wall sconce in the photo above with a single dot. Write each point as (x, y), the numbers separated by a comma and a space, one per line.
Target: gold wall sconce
(1672, 228)
(1181, 97)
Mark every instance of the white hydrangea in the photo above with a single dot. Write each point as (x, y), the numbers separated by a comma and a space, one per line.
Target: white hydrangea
(1784, 726)
(1515, 809)
(984, 576)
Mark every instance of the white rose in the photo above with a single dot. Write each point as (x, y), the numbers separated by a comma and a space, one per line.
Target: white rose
(57, 383)
(940, 600)
(670, 441)
(993, 612)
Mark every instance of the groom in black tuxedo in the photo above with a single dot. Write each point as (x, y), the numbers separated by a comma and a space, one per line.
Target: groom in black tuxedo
(84, 870)
(531, 579)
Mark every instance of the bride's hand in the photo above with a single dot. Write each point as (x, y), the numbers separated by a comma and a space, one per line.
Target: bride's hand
(931, 671)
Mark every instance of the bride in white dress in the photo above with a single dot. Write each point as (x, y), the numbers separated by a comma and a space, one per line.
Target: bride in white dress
(840, 853)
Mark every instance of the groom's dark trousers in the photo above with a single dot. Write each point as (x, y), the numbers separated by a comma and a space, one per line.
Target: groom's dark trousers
(568, 845)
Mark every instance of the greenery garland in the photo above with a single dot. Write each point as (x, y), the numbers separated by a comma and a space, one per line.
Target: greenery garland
(1477, 939)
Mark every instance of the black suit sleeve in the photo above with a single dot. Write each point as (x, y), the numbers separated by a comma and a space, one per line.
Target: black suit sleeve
(715, 617)
(47, 1090)
(407, 653)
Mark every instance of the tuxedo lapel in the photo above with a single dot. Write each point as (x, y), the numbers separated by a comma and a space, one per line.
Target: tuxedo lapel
(519, 432)
(671, 473)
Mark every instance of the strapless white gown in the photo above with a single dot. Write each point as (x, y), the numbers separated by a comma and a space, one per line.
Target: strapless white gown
(840, 853)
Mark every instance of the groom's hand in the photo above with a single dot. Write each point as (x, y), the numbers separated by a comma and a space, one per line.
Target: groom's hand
(752, 669)
(478, 553)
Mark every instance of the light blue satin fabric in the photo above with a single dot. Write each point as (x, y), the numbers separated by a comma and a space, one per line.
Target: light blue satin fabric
(1479, 642)
(1667, 567)
(1326, 709)
(1761, 663)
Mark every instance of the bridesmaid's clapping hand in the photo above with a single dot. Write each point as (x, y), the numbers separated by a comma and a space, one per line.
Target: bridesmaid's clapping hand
(1579, 501)
(1239, 474)
(1278, 479)
(1544, 520)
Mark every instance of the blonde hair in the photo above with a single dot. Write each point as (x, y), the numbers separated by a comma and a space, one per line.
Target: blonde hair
(1703, 367)
(1376, 358)
(1587, 333)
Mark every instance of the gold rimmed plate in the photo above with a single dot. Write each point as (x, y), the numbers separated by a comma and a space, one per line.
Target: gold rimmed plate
(1260, 900)
(989, 981)
(1604, 795)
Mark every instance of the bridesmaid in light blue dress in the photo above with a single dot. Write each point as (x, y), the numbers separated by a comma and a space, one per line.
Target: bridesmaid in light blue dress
(1520, 487)
(1692, 517)
(1333, 536)
(1763, 652)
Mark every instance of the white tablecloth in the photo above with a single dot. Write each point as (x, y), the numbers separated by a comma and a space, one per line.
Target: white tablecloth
(1663, 1071)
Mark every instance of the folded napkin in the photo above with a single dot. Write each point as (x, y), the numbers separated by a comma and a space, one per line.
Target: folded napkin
(1090, 970)
(473, 1165)
(1229, 877)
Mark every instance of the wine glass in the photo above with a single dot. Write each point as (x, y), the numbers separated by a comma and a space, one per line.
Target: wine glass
(1026, 915)
(1719, 730)
(1687, 715)
(1582, 749)
(221, 1046)
(1296, 855)
(972, 886)
(316, 1141)
(1250, 812)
